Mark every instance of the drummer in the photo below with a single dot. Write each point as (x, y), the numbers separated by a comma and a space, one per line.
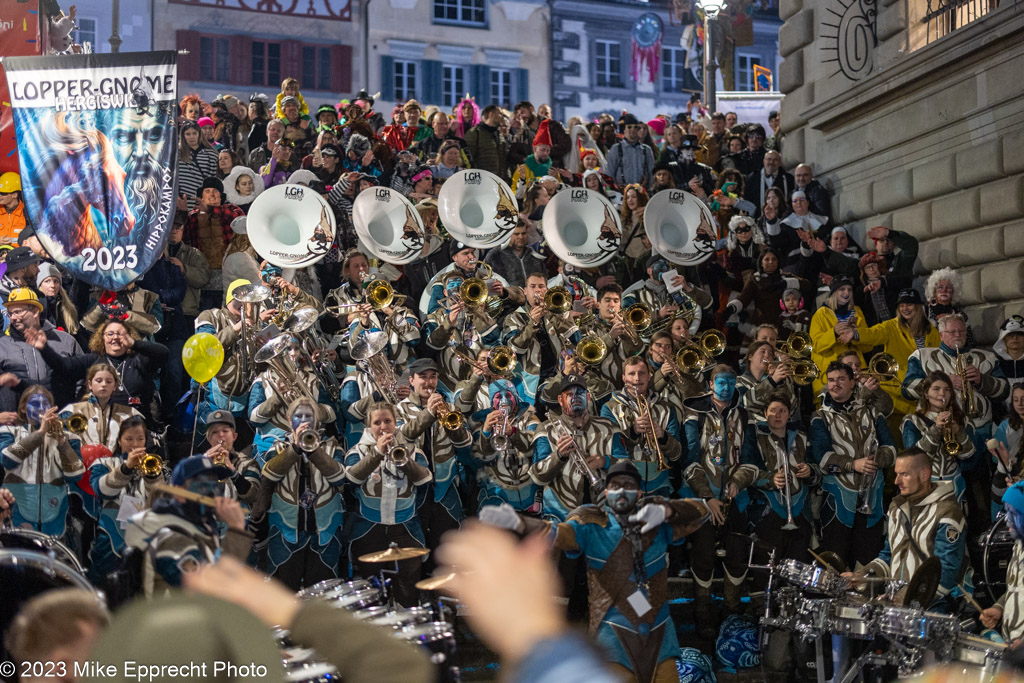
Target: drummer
(1009, 609)
(935, 521)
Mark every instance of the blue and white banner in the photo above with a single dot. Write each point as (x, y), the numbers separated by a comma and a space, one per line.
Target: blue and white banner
(97, 141)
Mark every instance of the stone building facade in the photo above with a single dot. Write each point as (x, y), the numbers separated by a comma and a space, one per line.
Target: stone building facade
(913, 112)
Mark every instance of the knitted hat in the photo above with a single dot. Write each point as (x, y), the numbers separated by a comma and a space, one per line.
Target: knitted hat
(587, 152)
(205, 121)
(872, 257)
(841, 281)
(543, 137)
(454, 247)
(214, 183)
(657, 125)
(1014, 496)
(46, 270)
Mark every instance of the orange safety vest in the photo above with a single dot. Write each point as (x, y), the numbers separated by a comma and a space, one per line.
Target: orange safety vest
(12, 223)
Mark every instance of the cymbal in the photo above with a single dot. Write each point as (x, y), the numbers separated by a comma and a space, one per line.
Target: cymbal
(924, 584)
(435, 582)
(394, 554)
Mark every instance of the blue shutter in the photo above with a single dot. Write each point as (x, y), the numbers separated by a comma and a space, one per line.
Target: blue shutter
(480, 84)
(521, 89)
(387, 78)
(430, 83)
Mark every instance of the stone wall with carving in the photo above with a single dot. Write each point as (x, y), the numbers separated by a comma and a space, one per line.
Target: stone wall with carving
(925, 138)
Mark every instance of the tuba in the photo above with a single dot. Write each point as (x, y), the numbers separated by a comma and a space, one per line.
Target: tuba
(388, 225)
(582, 228)
(478, 209)
(251, 297)
(291, 226)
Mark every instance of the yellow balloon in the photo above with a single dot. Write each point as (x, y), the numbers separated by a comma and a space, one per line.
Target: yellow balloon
(202, 356)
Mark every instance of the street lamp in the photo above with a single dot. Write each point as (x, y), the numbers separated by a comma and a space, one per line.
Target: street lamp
(711, 9)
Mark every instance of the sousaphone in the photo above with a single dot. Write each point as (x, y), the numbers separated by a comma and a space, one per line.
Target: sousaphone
(478, 208)
(582, 227)
(389, 225)
(291, 226)
(680, 227)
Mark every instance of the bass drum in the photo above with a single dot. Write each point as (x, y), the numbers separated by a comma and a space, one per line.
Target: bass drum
(995, 547)
(30, 539)
(24, 574)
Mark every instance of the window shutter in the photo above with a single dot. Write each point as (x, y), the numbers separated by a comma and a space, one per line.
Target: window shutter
(341, 69)
(430, 81)
(188, 65)
(521, 87)
(241, 60)
(387, 78)
(480, 84)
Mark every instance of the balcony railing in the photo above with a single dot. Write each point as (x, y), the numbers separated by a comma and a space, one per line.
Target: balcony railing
(942, 17)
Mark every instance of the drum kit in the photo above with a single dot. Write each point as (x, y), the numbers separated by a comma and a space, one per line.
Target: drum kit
(371, 601)
(814, 602)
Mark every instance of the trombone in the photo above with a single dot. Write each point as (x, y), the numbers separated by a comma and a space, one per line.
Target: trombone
(378, 293)
(691, 359)
(802, 370)
(883, 366)
(797, 345)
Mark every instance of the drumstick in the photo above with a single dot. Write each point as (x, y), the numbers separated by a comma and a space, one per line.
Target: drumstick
(185, 493)
(970, 599)
(824, 564)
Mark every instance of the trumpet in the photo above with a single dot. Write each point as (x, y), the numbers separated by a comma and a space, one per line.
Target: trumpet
(448, 418)
(628, 327)
(579, 458)
(969, 400)
(558, 300)
(395, 456)
(950, 444)
(308, 440)
(499, 440)
(151, 465)
(592, 350)
(643, 409)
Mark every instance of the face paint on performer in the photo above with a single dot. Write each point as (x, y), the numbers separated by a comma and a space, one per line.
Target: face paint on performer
(577, 401)
(622, 494)
(723, 386)
(36, 407)
(505, 398)
(1015, 521)
(304, 414)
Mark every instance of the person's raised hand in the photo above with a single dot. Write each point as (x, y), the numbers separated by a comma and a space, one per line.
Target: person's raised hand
(229, 579)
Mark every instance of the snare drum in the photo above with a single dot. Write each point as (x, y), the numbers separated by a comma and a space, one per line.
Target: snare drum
(813, 579)
(911, 624)
(302, 666)
(381, 615)
(357, 600)
(976, 659)
(332, 588)
(30, 539)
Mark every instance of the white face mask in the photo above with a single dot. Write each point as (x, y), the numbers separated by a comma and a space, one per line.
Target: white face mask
(687, 154)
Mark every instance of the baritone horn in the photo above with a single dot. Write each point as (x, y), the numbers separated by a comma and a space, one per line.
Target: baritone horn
(712, 342)
(797, 345)
(501, 361)
(691, 359)
(558, 300)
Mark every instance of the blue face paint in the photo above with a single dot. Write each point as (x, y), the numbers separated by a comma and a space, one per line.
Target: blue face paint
(303, 414)
(36, 407)
(621, 501)
(1015, 521)
(578, 402)
(724, 387)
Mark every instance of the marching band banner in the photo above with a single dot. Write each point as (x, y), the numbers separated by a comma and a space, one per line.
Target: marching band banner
(97, 143)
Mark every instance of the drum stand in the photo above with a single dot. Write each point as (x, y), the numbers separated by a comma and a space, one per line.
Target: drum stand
(905, 659)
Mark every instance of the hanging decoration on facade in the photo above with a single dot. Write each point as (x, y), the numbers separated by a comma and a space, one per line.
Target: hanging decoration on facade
(850, 42)
(646, 35)
(762, 78)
